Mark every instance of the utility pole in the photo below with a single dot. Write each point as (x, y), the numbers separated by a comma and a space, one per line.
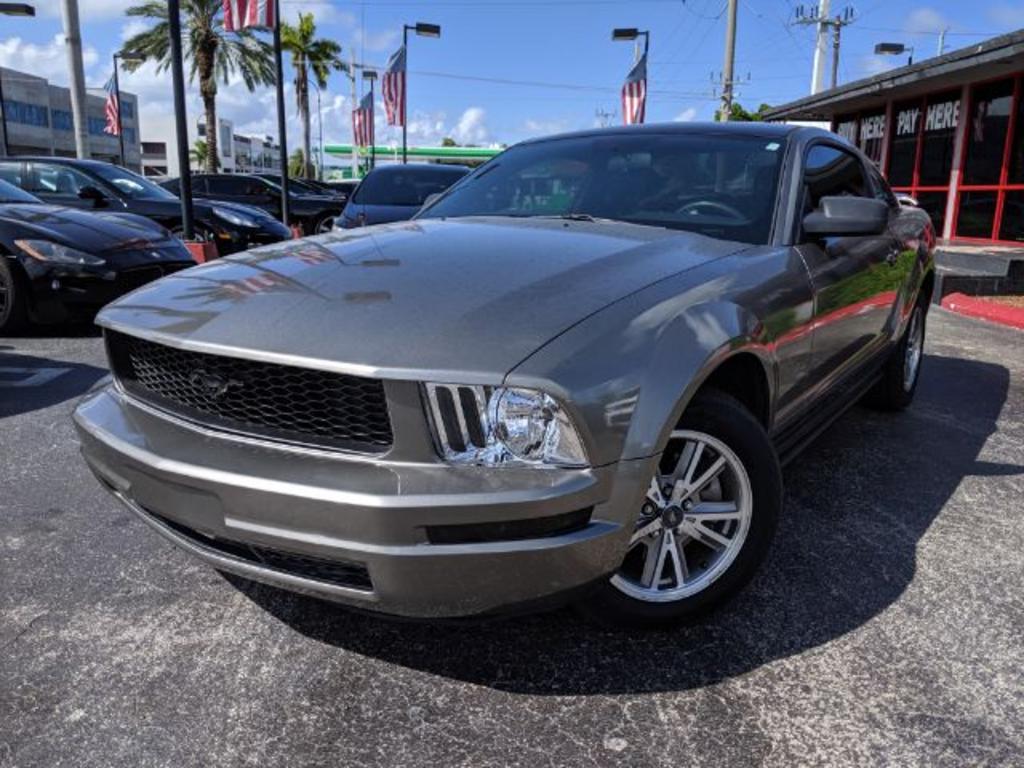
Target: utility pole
(76, 75)
(180, 118)
(730, 58)
(819, 16)
(604, 117)
(942, 40)
(355, 106)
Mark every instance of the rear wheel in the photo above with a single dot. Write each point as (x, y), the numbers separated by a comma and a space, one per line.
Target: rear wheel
(13, 298)
(705, 525)
(323, 224)
(895, 391)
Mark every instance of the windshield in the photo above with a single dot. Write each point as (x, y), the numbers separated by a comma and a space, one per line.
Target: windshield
(408, 187)
(131, 185)
(294, 185)
(720, 186)
(12, 194)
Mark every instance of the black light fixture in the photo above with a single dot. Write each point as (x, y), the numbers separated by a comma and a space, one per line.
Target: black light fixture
(895, 49)
(427, 30)
(17, 9)
(625, 34)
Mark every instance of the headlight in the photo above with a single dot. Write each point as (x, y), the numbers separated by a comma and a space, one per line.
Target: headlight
(503, 425)
(234, 217)
(55, 253)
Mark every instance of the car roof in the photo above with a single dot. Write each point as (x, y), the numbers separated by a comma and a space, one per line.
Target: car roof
(419, 167)
(753, 129)
(87, 163)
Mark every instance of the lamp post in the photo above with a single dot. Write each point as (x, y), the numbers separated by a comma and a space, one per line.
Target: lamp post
(180, 119)
(133, 56)
(895, 49)
(371, 76)
(320, 129)
(632, 33)
(10, 9)
(423, 30)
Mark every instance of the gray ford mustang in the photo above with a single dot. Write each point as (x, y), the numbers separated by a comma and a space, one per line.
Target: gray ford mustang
(575, 374)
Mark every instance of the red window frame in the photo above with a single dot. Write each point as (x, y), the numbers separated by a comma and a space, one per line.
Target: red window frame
(1003, 186)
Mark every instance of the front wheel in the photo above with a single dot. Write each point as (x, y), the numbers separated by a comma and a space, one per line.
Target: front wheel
(13, 298)
(705, 524)
(895, 390)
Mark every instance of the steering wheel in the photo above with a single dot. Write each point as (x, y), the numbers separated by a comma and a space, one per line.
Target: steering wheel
(712, 206)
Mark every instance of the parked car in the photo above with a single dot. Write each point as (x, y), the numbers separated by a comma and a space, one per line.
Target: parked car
(60, 263)
(397, 192)
(99, 186)
(306, 186)
(314, 213)
(575, 374)
(345, 187)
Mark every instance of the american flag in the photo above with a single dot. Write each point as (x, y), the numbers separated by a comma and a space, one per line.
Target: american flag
(634, 93)
(393, 87)
(362, 122)
(111, 108)
(239, 14)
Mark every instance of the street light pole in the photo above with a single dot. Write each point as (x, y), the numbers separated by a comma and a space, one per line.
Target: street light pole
(730, 58)
(76, 76)
(423, 30)
(281, 125)
(180, 119)
(9, 9)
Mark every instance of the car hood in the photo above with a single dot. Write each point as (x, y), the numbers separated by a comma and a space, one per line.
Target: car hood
(458, 300)
(95, 232)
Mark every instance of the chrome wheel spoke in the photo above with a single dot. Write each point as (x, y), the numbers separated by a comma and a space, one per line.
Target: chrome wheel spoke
(714, 511)
(709, 537)
(654, 494)
(645, 530)
(675, 553)
(654, 563)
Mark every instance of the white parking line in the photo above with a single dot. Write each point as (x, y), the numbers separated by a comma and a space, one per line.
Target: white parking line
(28, 377)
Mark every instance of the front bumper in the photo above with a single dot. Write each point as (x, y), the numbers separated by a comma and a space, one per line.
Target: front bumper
(352, 529)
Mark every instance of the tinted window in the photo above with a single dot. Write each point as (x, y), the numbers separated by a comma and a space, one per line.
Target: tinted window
(986, 132)
(11, 173)
(406, 187)
(1013, 216)
(872, 136)
(976, 215)
(232, 185)
(720, 186)
(47, 179)
(131, 185)
(832, 172)
(940, 118)
(903, 147)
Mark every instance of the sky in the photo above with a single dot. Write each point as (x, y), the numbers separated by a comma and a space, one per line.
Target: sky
(506, 70)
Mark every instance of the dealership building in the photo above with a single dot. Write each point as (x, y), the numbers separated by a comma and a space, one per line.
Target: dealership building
(949, 131)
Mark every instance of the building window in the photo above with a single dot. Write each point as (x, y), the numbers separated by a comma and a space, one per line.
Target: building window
(62, 120)
(903, 147)
(128, 109)
(96, 125)
(942, 113)
(26, 114)
(847, 128)
(992, 191)
(871, 136)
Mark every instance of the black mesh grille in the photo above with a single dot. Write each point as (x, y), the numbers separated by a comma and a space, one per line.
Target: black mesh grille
(281, 402)
(341, 572)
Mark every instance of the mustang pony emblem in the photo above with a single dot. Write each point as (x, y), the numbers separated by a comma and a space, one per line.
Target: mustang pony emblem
(212, 384)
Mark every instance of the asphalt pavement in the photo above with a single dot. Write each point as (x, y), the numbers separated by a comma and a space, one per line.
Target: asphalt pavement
(886, 628)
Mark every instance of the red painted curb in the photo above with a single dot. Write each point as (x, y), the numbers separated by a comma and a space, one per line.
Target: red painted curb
(985, 310)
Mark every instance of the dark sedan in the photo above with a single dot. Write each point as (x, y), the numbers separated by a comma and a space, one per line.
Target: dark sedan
(95, 185)
(397, 192)
(59, 263)
(305, 186)
(313, 213)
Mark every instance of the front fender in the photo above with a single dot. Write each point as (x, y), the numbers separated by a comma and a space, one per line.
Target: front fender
(627, 373)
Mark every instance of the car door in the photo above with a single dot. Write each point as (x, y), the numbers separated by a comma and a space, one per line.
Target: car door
(853, 277)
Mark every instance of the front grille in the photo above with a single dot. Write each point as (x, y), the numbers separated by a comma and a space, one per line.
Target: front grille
(280, 402)
(341, 572)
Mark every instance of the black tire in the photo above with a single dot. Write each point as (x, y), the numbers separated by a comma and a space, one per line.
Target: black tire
(895, 390)
(723, 417)
(315, 226)
(13, 298)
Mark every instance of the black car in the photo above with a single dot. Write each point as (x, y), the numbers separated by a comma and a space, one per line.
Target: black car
(344, 187)
(397, 192)
(313, 213)
(95, 185)
(305, 186)
(60, 263)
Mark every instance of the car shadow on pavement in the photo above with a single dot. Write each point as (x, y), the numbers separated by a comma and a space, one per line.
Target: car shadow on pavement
(29, 383)
(857, 502)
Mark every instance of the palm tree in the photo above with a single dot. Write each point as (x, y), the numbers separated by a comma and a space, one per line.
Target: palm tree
(198, 153)
(309, 53)
(214, 54)
(296, 163)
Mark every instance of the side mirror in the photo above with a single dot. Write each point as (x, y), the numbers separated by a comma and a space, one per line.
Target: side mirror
(847, 216)
(906, 201)
(92, 194)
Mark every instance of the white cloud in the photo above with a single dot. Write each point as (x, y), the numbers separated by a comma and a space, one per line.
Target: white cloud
(925, 21)
(88, 10)
(686, 116)
(135, 27)
(324, 12)
(472, 127)
(47, 60)
(545, 127)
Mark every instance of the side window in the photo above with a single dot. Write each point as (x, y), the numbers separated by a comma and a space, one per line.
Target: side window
(881, 187)
(11, 173)
(832, 172)
(226, 185)
(47, 179)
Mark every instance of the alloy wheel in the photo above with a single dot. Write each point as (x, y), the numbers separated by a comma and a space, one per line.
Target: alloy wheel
(5, 295)
(325, 225)
(693, 522)
(914, 349)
